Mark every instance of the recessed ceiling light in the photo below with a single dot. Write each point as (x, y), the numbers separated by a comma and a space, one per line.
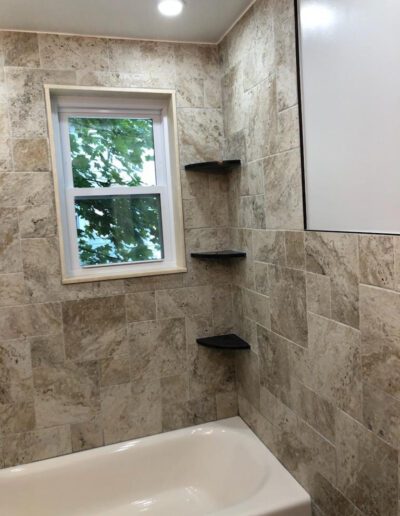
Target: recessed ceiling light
(170, 7)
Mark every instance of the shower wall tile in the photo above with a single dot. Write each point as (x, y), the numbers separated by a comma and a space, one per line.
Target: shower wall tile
(320, 386)
(73, 53)
(288, 303)
(336, 255)
(20, 49)
(377, 260)
(22, 448)
(94, 363)
(380, 326)
(367, 468)
(10, 247)
(31, 155)
(95, 328)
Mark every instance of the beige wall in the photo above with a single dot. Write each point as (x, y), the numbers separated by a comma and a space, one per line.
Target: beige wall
(321, 386)
(91, 364)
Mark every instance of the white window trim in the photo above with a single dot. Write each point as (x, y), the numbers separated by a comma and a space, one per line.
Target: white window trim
(160, 105)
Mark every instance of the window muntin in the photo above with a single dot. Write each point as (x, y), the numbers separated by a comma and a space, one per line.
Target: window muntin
(81, 187)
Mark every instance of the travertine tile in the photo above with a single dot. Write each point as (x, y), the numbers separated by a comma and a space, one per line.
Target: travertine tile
(37, 445)
(261, 120)
(26, 98)
(30, 320)
(332, 501)
(200, 135)
(248, 377)
(256, 307)
(269, 246)
(157, 349)
(197, 212)
(20, 49)
(146, 407)
(336, 255)
(66, 393)
(116, 407)
(302, 451)
(288, 303)
(377, 260)
(17, 417)
(381, 414)
(154, 62)
(175, 388)
(259, 63)
(233, 101)
(335, 355)
(227, 404)
(283, 191)
(36, 221)
(367, 468)
(211, 371)
(87, 435)
(288, 137)
(114, 370)
(316, 411)
(380, 330)
(190, 301)
(190, 92)
(16, 372)
(318, 294)
(25, 189)
(10, 250)
(94, 328)
(274, 364)
(285, 54)
(295, 250)
(153, 283)
(141, 306)
(73, 52)
(261, 278)
(5, 155)
(12, 290)
(222, 307)
(31, 155)
(47, 350)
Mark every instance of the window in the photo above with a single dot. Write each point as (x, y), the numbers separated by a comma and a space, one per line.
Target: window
(118, 198)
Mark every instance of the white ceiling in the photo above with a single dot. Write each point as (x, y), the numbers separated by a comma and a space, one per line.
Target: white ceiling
(201, 21)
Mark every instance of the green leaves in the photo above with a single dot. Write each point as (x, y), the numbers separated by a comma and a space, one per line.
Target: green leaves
(109, 152)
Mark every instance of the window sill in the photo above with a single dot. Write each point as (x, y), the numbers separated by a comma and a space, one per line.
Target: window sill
(108, 275)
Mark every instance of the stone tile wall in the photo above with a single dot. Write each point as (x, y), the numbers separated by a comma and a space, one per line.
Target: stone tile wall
(91, 364)
(321, 386)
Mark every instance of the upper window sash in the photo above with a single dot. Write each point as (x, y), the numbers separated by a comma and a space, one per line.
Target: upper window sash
(158, 135)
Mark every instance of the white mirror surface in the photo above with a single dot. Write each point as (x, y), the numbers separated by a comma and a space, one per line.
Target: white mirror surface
(350, 79)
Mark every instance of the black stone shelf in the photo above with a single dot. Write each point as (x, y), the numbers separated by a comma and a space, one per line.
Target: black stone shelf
(217, 167)
(218, 255)
(231, 341)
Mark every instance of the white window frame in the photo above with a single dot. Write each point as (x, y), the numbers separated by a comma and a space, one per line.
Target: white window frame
(159, 105)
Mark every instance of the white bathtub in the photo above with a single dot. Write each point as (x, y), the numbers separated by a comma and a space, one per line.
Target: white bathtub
(218, 468)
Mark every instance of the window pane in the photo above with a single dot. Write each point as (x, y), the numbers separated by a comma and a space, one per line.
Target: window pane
(119, 229)
(112, 151)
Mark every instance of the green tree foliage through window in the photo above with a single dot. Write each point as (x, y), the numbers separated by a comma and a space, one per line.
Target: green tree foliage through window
(109, 152)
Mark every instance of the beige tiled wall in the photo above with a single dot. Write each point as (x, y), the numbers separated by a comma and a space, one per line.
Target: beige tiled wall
(321, 386)
(91, 364)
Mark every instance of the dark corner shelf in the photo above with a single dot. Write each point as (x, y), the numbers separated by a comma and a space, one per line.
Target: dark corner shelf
(224, 342)
(218, 255)
(214, 166)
